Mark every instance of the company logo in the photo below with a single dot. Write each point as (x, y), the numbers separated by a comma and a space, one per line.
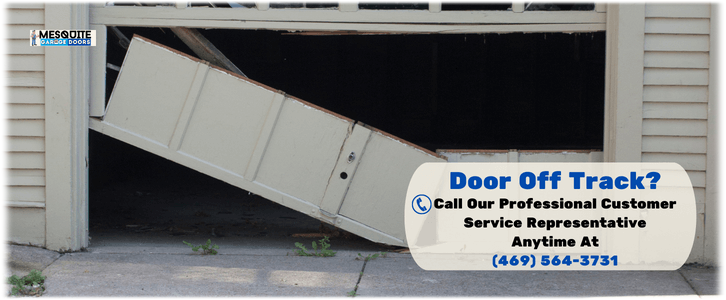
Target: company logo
(63, 37)
(421, 204)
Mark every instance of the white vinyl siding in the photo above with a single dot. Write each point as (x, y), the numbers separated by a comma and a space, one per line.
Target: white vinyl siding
(675, 95)
(25, 114)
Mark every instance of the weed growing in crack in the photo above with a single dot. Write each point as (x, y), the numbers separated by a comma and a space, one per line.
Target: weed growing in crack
(207, 248)
(31, 284)
(371, 256)
(365, 260)
(323, 252)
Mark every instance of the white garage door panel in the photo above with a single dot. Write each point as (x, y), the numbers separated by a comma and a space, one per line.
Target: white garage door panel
(154, 95)
(229, 113)
(249, 135)
(377, 193)
(302, 151)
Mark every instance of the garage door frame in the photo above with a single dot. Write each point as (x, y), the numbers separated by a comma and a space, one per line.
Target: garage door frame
(72, 86)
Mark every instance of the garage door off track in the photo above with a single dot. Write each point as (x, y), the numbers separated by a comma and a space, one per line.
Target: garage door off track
(264, 141)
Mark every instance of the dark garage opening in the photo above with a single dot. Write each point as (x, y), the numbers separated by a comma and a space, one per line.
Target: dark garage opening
(535, 91)
(139, 199)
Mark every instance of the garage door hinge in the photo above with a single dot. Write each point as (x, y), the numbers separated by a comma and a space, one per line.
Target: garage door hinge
(330, 217)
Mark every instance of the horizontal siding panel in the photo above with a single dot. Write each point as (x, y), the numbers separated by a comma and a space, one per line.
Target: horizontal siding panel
(25, 144)
(691, 162)
(655, 110)
(698, 178)
(21, 172)
(674, 144)
(26, 160)
(677, 26)
(653, 76)
(23, 47)
(28, 5)
(25, 111)
(26, 193)
(25, 16)
(26, 226)
(25, 78)
(26, 181)
(698, 10)
(26, 127)
(21, 32)
(25, 95)
(691, 60)
(25, 204)
(675, 127)
(32, 62)
(673, 42)
(675, 94)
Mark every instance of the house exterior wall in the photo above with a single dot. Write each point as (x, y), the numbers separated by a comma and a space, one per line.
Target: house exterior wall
(25, 137)
(675, 98)
(47, 119)
(659, 98)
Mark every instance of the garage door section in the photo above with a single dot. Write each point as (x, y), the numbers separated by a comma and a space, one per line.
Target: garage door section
(261, 140)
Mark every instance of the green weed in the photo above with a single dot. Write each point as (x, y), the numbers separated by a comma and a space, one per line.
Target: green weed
(324, 248)
(31, 284)
(371, 256)
(367, 258)
(207, 248)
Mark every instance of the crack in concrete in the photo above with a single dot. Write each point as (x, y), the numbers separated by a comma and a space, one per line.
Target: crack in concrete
(689, 283)
(360, 276)
(55, 260)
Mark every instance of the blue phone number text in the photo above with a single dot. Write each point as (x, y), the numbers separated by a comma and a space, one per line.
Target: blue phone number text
(557, 260)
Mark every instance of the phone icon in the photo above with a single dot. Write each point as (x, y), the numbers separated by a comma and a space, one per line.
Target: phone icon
(421, 204)
(418, 202)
